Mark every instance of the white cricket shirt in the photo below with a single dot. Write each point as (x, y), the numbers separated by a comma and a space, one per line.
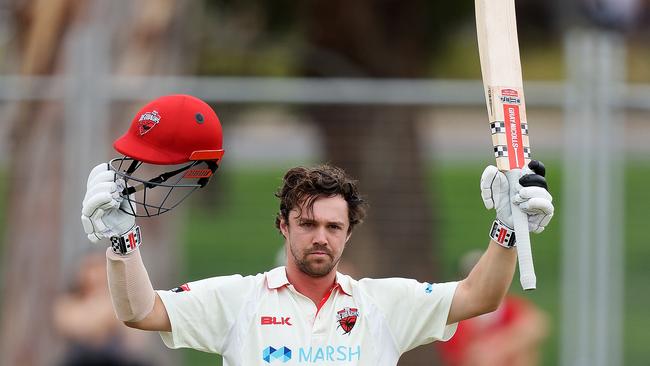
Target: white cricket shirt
(263, 320)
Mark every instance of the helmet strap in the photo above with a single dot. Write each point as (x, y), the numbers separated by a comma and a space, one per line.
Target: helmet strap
(133, 166)
(213, 166)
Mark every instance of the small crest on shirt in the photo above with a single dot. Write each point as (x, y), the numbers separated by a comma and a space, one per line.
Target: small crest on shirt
(181, 288)
(347, 318)
(428, 288)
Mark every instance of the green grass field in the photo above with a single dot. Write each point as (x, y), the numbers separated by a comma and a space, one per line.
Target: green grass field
(234, 233)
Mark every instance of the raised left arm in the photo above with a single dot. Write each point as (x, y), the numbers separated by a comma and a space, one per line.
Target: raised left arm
(486, 285)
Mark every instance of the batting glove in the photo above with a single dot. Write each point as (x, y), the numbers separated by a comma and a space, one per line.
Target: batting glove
(532, 196)
(102, 212)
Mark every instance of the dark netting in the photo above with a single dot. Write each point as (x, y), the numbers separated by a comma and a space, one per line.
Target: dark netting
(173, 183)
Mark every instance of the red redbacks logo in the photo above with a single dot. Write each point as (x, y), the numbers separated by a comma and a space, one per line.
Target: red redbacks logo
(181, 288)
(347, 318)
(147, 121)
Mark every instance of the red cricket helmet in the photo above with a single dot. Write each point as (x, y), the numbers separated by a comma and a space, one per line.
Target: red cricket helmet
(171, 130)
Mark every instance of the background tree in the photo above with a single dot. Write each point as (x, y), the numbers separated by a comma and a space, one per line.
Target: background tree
(155, 41)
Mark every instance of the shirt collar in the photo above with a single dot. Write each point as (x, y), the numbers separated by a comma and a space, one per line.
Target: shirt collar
(277, 277)
(343, 281)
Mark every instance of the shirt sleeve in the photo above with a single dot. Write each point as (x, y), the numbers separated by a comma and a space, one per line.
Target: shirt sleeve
(415, 312)
(202, 313)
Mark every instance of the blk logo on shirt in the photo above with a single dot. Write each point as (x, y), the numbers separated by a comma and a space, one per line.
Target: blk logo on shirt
(275, 320)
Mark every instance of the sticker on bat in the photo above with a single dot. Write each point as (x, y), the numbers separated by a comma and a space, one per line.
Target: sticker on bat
(512, 119)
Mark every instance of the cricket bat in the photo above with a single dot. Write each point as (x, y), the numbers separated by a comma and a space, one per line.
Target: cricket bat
(496, 27)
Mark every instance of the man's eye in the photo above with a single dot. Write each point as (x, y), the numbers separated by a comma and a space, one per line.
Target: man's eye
(306, 224)
(335, 227)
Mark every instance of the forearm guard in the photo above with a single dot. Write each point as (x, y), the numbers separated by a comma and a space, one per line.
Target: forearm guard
(131, 290)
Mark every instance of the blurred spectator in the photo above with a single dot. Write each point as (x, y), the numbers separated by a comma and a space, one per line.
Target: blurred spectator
(85, 318)
(509, 336)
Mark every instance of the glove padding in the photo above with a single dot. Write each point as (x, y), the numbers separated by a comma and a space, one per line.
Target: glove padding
(532, 196)
(101, 212)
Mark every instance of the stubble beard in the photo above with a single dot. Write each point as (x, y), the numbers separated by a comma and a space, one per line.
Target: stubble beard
(314, 267)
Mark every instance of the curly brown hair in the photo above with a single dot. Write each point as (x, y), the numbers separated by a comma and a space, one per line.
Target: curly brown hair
(304, 185)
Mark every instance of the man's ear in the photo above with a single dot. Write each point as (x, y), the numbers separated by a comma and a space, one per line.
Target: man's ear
(284, 228)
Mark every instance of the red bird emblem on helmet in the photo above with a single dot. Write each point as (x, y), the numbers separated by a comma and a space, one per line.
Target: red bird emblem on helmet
(147, 121)
(347, 318)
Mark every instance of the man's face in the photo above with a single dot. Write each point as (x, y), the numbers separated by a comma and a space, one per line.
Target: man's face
(316, 239)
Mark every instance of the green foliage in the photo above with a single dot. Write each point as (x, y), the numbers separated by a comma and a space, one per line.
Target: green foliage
(238, 236)
(249, 37)
(269, 38)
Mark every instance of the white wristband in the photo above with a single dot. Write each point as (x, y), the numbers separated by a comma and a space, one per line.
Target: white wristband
(127, 242)
(502, 234)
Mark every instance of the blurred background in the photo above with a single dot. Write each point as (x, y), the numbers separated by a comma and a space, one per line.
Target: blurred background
(390, 90)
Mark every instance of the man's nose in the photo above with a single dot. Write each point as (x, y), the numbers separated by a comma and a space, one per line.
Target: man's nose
(320, 236)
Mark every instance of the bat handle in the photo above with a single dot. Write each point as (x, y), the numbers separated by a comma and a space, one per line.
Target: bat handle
(526, 268)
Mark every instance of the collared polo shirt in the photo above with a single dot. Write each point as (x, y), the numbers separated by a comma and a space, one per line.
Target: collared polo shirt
(263, 320)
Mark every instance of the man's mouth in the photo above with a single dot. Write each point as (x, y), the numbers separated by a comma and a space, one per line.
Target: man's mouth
(319, 253)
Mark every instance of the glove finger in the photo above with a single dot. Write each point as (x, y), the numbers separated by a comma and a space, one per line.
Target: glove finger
(530, 192)
(534, 223)
(533, 180)
(99, 168)
(536, 206)
(121, 187)
(537, 223)
(537, 167)
(543, 222)
(526, 193)
(94, 238)
(103, 200)
(105, 176)
(96, 170)
(108, 187)
(535, 228)
(88, 226)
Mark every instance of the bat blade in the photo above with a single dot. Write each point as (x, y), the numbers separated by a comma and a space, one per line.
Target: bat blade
(496, 27)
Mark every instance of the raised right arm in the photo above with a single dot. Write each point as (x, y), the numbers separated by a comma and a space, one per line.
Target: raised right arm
(105, 214)
(134, 300)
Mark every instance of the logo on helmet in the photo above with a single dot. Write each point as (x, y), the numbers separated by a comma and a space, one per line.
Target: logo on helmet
(147, 121)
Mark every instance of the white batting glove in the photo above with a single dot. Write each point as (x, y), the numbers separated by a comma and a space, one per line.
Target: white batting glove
(101, 216)
(532, 196)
